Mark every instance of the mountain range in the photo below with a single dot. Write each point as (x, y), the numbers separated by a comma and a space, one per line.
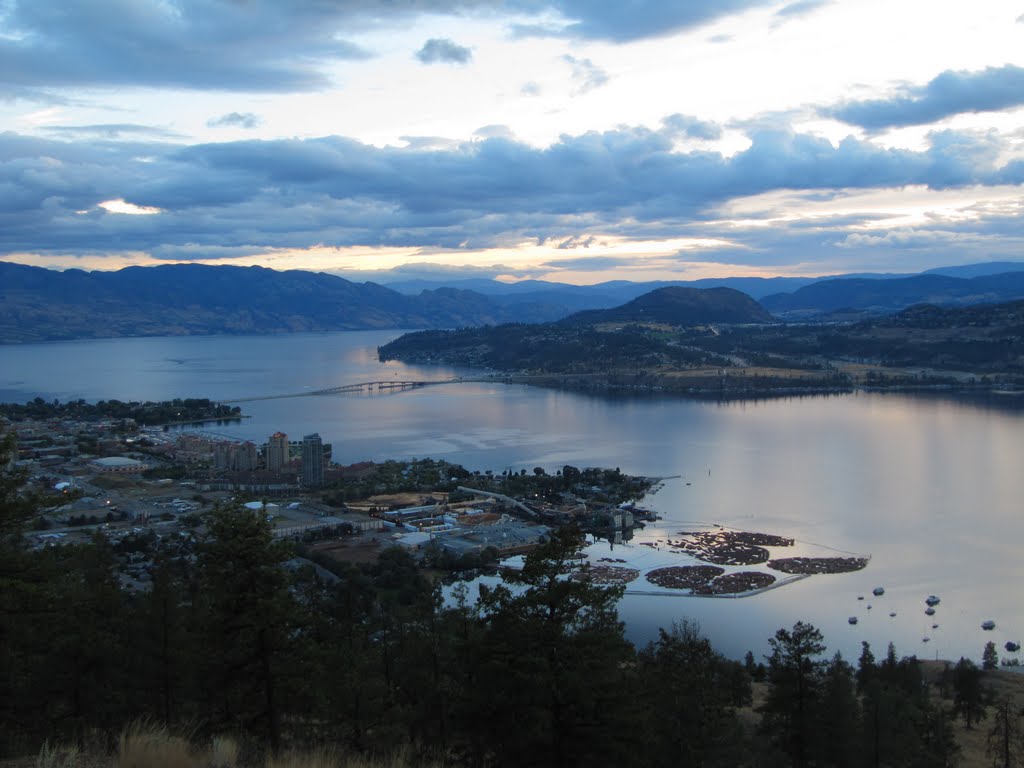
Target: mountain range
(38, 304)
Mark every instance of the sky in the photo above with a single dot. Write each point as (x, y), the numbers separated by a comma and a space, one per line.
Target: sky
(575, 141)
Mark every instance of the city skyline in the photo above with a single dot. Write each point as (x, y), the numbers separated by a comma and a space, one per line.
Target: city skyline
(550, 139)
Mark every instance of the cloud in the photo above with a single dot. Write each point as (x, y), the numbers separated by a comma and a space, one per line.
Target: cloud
(948, 94)
(492, 192)
(686, 126)
(801, 8)
(494, 132)
(246, 120)
(576, 241)
(586, 75)
(429, 271)
(530, 89)
(592, 263)
(111, 130)
(196, 252)
(429, 143)
(259, 45)
(628, 21)
(271, 46)
(439, 49)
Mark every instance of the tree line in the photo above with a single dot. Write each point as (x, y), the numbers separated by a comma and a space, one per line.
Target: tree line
(189, 409)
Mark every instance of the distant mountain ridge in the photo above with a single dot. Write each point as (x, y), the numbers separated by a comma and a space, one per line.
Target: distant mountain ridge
(39, 304)
(887, 296)
(182, 299)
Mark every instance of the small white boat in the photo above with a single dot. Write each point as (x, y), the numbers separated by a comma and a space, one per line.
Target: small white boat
(988, 624)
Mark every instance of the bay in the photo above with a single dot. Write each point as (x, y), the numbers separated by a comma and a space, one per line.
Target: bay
(930, 488)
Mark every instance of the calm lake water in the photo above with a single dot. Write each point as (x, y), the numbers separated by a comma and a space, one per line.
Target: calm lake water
(932, 489)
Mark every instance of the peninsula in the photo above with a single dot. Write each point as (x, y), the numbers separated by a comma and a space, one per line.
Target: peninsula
(676, 341)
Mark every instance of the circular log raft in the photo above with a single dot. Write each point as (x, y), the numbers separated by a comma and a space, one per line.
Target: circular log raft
(818, 564)
(694, 577)
(735, 583)
(607, 575)
(729, 547)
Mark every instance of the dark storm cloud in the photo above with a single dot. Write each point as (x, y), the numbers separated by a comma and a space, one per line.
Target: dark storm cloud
(440, 49)
(235, 120)
(630, 182)
(950, 93)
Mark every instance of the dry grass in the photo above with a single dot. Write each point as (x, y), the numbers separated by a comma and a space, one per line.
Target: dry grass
(148, 745)
(51, 756)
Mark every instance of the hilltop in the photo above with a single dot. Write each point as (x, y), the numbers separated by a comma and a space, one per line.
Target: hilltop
(675, 305)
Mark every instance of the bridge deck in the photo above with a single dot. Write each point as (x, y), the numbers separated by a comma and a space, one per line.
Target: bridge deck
(363, 387)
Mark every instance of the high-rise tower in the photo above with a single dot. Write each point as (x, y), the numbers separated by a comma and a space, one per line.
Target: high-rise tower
(277, 451)
(312, 461)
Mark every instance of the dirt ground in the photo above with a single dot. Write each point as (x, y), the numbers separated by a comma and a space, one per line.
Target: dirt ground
(360, 549)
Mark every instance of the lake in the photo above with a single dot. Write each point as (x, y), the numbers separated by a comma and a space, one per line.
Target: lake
(931, 488)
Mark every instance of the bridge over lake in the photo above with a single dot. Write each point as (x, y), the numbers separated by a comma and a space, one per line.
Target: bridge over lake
(360, 388)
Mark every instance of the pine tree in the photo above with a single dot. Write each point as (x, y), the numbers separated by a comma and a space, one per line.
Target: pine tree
(556, 650)
(990, 658)
(688, 696)
(795, 674)
(248, 619)
(1006, 738)
(968, 695)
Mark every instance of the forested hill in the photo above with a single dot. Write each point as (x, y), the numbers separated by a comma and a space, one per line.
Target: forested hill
(681, 306)
(183, 299)
(581, 343)
(960, 346)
